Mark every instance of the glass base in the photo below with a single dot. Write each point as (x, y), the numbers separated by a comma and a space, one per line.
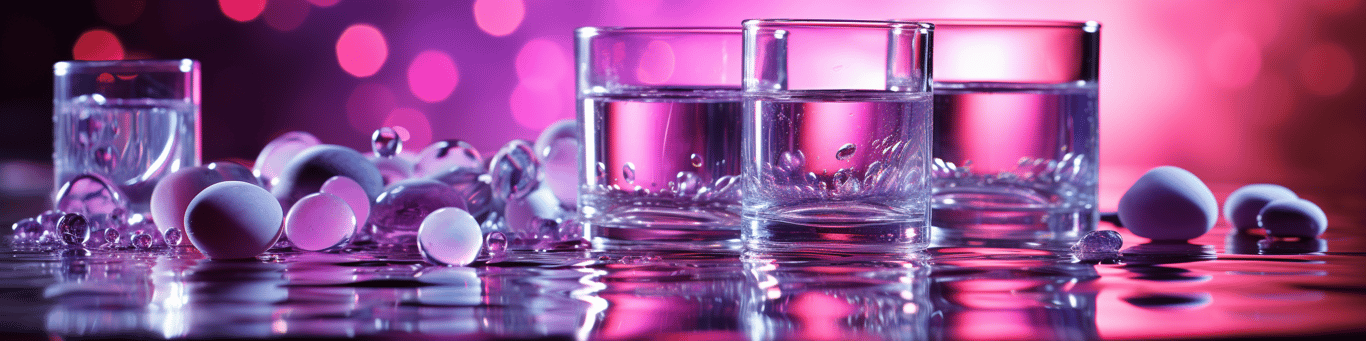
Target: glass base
(654, 228)
(1030, 228)
(808, 234)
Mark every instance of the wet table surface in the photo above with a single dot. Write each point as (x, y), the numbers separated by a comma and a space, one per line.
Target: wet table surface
(1222, 285)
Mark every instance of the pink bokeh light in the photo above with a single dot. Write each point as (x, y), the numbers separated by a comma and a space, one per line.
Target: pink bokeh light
(242, 10)
(543, 60)
(536, 105)
(286, 15)
(432, 76)
(1326, 69)
(656, 63)
(415, 123)
(1233, 60)
(324, 3)
(368, 105)
(97, 44)
(498, 17)
(361, 50)
(544, 92)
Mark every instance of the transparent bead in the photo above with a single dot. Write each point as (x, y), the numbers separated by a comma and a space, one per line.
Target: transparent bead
(74, 228)
(1103, 241)
(400, 209)
(91, 194)
(49, 219)
(173, 236)
(449, 236)
(495, 243)
(445, 155)
(232, 171)
(477, 190)
(273, 158)
(142, 241)
(385, 142)
(515, 170)
(27, 231)
(558, 150)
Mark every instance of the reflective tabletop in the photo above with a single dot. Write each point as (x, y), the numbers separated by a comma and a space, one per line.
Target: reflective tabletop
(1222, 285)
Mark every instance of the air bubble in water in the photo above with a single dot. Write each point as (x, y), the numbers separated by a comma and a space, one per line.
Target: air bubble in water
(385, 142)
(106, 158)
(628, 171)
(687, 182)
(793, 160)
(845, 152)
(696, 160)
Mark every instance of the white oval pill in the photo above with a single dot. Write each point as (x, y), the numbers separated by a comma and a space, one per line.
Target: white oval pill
(233, 220)
(1168, 203)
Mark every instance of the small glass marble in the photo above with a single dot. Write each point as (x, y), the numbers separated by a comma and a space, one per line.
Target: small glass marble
(837, 136)
(130, 121)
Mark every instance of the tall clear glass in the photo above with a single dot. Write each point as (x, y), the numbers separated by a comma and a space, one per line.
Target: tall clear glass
(131, 121)
(1015, 119)
(659, 110)
(837, 134)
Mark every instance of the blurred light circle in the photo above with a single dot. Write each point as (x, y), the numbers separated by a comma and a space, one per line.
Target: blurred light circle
(368, 105)
(656, 63)
(242, 10)
(418, 128)
(97, 44)
(1233, 61)
(534, 106)
(361, 50)
(286, 15)
(498, 17)
(432, 76)
(1326, 69)
(541, 59)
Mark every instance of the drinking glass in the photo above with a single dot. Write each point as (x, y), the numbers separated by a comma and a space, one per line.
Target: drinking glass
(659, 110)
(837, 134)
(1015, 121)
(132, 122)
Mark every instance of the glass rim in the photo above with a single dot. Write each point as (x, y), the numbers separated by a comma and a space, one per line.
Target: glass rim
(1011, 23)
(596, 30)
(126, 65)
(837, 23)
